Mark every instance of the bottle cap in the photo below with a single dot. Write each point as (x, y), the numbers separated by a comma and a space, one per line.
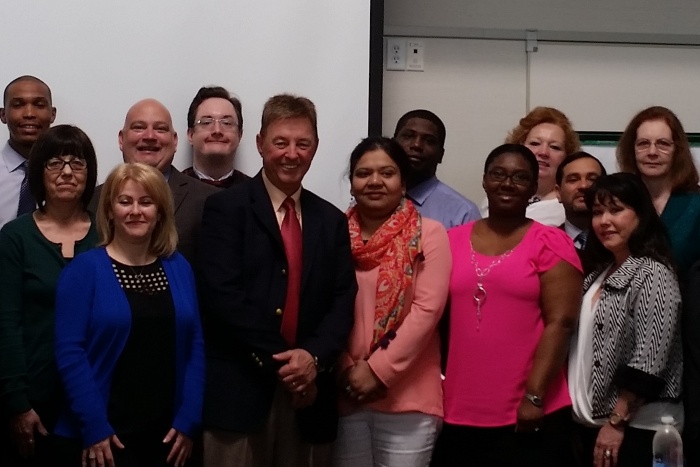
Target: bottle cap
(667, 420)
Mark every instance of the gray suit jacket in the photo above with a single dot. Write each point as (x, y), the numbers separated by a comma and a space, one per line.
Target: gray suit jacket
(189, 195)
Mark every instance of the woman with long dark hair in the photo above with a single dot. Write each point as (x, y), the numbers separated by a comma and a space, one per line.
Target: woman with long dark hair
(626, 360)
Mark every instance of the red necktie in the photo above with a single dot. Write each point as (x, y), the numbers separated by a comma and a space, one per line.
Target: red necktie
(291, 236)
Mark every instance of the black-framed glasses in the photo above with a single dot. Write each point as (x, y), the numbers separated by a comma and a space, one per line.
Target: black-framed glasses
(56, 165)
(664, 146)
(500, 176)
(226, 123)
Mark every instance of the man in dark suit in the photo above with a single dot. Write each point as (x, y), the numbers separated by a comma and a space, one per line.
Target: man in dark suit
(574, 176)
(148, 136)
(270, 397)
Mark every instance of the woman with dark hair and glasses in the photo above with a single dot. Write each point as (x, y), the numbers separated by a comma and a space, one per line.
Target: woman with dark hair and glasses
(626, 361)
(550, 135)
(514, 299)
(34, 248)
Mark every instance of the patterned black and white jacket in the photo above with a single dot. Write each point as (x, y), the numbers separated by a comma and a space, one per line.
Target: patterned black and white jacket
(636, 334)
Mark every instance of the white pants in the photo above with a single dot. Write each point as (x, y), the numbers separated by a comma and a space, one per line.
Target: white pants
(370, 438)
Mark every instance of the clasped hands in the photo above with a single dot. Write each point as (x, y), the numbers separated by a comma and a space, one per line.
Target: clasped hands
(360, 384)
(298, 375)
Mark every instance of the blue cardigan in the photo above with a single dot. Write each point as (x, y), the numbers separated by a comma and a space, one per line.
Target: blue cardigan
(93, 319)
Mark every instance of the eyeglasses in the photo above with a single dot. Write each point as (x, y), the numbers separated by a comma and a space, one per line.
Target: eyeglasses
(226, 123)
(56, 165)
(518, 178)
(662, 145)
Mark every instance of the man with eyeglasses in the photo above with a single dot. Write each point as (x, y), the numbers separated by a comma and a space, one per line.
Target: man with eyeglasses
(148, 137)
(214, 129)
(27, 112)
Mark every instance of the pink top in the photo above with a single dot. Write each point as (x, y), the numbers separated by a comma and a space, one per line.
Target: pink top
(489, 362)
(410, 365)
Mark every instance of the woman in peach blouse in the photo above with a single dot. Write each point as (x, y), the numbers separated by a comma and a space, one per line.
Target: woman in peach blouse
(391, 402)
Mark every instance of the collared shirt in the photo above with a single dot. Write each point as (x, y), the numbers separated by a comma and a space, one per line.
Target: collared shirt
(277, 197)
(437, 201)
(202, 176)
(571, 230)
(11, 176)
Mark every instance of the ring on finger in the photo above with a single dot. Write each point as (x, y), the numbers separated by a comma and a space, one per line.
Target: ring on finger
(31, 441)
(608, 453)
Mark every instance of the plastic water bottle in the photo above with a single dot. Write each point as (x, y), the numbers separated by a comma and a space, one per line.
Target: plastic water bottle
(667, 445)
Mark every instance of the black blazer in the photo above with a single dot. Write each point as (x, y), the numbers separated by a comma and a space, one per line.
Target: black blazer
(242, 275)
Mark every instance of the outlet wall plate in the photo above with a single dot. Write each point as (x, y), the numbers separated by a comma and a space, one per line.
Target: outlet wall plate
(414, 55)
(395, 54)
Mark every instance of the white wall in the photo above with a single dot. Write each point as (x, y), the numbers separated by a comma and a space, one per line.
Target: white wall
(677, 17)
(101, 57)
(481, 88)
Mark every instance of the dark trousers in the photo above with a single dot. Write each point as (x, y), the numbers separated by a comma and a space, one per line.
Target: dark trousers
(504, 447)
(636, 448)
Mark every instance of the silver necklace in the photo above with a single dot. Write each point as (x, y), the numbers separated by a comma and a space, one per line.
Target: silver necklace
(138, 276)
(479, 294)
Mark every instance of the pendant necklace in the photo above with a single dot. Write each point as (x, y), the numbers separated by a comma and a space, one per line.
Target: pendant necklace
(479, 294)
(138, 277)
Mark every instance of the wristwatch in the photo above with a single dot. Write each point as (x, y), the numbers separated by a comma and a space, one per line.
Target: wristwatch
(534, 400)
(617, 421)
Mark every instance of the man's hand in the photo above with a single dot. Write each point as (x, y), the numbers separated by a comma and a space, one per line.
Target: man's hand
(298, 371)
(306, 398)
(24, 426)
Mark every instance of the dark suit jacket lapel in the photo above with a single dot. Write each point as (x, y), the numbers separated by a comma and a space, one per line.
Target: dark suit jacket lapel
(311, 229)
(262, 209)
(178, 185)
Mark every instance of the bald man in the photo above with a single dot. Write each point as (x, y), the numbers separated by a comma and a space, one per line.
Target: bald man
(148, 136)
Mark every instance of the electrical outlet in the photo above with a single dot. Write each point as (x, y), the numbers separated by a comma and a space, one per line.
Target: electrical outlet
(414, 60)
(395, 54)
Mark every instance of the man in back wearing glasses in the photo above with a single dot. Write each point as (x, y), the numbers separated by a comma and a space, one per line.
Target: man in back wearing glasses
(214, 129)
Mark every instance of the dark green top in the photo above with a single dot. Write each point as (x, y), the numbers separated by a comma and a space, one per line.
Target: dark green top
(681, 216)
(29, 269)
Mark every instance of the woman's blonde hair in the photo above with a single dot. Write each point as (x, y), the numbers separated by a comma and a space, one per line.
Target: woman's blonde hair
(164, 237)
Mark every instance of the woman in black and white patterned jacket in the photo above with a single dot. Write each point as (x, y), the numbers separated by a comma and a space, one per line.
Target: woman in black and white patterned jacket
(626, 360)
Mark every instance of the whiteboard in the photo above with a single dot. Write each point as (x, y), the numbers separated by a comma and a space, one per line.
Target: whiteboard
(99, 58)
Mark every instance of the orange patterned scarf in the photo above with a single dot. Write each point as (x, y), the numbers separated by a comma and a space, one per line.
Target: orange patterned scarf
(394, 247)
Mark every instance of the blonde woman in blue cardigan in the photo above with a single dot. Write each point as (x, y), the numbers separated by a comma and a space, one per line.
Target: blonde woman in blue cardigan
(128, 336)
